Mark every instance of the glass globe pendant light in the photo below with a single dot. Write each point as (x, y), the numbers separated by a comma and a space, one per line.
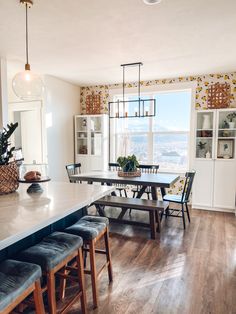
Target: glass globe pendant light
(27, 85)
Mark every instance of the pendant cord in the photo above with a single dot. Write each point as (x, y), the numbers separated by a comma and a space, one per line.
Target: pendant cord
(27, 36)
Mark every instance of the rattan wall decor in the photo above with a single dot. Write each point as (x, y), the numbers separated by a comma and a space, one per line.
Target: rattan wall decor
(93, 104)
(218, 96)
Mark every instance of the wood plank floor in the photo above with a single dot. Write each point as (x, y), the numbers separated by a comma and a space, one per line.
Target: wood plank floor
(192, 271)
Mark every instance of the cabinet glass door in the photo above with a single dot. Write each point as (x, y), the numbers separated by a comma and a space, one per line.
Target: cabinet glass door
(204, 134)
(226, 134)
(82, 135)
(96, 135)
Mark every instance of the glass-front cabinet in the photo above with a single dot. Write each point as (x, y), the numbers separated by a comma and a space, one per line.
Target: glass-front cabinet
(215, 163)
(91, 141)
(215, 134)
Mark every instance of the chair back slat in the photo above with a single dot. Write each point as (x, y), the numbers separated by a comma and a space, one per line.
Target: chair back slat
(113, 166)
(189, 177)
(149, 168)
(73, 169)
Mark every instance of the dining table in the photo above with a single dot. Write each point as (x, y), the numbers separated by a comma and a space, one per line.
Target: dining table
(154, 181)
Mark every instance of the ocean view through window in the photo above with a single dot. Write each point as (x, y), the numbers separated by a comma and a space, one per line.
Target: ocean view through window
(163, 139)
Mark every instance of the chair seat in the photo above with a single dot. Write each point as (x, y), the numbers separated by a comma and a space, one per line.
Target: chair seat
(88, 227)
(174, 198)
(15, 278)
(52, 250)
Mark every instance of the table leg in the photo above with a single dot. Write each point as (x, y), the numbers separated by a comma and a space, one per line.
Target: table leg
(141, 191)
(154, 193)
(100, 210)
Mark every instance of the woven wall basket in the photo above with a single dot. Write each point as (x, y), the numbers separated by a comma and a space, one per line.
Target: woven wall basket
(9, 175)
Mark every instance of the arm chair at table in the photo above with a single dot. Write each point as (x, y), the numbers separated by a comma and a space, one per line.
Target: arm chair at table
(182, 199)
(73, 169)
(119, 187)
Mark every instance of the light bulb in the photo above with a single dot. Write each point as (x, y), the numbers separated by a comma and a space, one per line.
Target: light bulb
(28, 86)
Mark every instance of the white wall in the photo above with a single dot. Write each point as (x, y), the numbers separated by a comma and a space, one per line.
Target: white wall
(61, 103)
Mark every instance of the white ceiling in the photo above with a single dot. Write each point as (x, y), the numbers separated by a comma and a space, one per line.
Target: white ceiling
(85, 41)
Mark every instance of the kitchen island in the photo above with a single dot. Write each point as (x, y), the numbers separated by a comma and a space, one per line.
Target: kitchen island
(26, 218)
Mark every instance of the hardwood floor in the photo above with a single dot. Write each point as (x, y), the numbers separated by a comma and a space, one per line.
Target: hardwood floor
(192, 271)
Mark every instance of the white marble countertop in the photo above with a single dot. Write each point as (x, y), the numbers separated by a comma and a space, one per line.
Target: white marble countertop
(22, 214)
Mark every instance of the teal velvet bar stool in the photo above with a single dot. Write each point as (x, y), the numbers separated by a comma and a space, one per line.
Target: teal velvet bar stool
(17, 281)
(53, 254)
(92, 229)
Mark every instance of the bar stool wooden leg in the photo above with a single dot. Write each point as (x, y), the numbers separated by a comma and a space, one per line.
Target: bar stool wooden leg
(108, 254)
(62, 285)
(51, 292)
(80, 269)
(93, 272)
(38, 299)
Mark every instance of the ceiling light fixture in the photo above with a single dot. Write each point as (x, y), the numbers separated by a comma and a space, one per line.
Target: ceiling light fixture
(27, 85)
(132, 108)
(151, 2)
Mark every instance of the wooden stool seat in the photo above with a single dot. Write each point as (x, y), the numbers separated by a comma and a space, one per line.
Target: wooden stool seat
(17, 281)
(92, 229)
(53, 254)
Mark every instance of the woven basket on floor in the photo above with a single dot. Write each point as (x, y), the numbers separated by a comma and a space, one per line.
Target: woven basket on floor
(9, 175)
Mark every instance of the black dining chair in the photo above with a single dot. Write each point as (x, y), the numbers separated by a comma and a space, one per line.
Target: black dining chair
(145, 169)
(182, 199)
(73, 169)
(113, 166)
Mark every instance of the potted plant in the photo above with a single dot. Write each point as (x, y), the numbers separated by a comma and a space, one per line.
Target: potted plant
(231, 117)
(9, 173)
(128, 165)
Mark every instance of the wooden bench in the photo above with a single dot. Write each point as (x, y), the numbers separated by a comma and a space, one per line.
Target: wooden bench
(155, 208)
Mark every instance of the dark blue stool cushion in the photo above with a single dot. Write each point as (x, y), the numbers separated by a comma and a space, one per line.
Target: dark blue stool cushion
(88, 227)
(15, 278)
(98, 219)
(52, 250)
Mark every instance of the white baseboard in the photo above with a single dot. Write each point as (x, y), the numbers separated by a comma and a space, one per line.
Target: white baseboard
(224, 210)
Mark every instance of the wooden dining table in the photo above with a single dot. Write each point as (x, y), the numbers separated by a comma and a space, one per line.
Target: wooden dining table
(154, 181)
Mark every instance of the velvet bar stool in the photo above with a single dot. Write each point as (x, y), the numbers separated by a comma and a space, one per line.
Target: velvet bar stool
(17, 281)
(92, 229)
(53, 254)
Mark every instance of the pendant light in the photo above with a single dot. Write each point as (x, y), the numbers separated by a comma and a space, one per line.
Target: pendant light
(27, 85)
(133, 108)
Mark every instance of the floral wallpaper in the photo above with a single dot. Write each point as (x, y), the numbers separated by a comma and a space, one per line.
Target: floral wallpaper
(200, 98)
(201, 90)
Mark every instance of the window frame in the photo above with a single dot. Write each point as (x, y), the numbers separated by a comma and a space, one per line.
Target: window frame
(153, 90)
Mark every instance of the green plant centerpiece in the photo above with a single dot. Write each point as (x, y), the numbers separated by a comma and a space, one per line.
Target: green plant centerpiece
(9, 173)
(129, 166)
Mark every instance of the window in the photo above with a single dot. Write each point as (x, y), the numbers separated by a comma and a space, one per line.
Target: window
(163, 139)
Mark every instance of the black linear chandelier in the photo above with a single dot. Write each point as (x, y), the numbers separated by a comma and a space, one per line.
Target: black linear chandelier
(135, 108)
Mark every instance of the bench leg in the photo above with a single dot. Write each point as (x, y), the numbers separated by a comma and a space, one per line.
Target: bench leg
(158, 220)
(152, 224)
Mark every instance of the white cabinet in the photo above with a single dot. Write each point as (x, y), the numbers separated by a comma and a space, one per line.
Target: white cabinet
(91, 142)
(215, 164)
